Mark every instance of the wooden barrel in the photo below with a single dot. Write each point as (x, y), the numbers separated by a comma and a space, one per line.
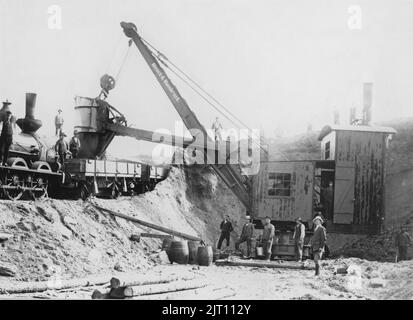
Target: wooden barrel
(166, 243)
(178, 252)
(193, 251)
(205, 256)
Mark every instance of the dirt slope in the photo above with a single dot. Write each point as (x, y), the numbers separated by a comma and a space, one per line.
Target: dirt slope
(73, 239)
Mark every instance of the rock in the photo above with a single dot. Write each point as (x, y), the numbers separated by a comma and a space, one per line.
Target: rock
(377, 283)
(22, 226)
(118, 267)
(341, 270)
(135, 237)
(98, 295)
(5, 236)
(160, 258)
(7, 269)
(69, 221)
(47, 215)
(110, 252)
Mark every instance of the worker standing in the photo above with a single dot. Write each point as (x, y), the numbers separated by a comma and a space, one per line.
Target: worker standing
(267, 238)
(403, 240)
(298, 236)
(217, 127)
(247, 235)
(58, 121)
(74, 144)
(328, 200)
(318, 242)
(226, 229)
(6, 137)
(61, 148)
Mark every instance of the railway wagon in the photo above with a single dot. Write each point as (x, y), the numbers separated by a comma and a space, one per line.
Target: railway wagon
(107, 178)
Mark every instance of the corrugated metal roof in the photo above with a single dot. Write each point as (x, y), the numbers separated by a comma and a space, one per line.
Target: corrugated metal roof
(329, 128)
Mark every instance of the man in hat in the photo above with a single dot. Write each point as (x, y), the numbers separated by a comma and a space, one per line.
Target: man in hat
(4, 109)
(226, 229)
(6, 137)
(402, 241)
(298, 236)
(58, 122)
(268, 237)
(247, 235)
(74, 144)
(217, 127)
(61, 148)
(318, 242)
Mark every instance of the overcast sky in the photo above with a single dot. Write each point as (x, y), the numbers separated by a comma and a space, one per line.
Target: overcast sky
(277, 65)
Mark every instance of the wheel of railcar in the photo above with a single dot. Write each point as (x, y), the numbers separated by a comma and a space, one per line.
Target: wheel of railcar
(115, 191)
(40, 188)
(14, 190)
(84, 191)
(29, 184)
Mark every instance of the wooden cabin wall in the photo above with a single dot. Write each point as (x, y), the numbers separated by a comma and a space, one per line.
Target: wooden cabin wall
(331, 137)
(364, 150)
(298, 204)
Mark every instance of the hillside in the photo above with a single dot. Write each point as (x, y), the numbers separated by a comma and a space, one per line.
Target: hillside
(73, 239)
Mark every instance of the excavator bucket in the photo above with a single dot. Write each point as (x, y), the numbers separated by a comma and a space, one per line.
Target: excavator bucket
(92, 117)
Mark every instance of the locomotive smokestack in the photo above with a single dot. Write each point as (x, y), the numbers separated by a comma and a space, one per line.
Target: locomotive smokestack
(30, 105)
(29, 124)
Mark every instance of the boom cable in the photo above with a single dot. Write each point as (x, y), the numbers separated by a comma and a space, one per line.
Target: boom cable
(187, 80)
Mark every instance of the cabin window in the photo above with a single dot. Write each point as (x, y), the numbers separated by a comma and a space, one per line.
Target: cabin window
(279, 184)
(327, 151)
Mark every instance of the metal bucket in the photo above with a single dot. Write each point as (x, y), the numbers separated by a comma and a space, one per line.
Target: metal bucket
(260, 251)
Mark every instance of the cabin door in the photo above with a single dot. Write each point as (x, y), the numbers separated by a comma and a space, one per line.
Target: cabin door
(344, 194)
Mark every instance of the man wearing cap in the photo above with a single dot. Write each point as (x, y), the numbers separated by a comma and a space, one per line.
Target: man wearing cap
(6, 137)
(298, 236)
(318, 242)
(226, 229)
(61, 148)
(267, 237)
(402, 241)
(58, 122)
(74, 144)
(247, 234)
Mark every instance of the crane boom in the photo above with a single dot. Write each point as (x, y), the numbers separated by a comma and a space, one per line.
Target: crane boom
(233, 179)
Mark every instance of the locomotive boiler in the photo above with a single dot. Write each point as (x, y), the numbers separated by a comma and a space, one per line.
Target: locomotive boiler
(31, 169)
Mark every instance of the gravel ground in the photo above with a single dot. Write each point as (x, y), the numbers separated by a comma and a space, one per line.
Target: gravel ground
(364, 280)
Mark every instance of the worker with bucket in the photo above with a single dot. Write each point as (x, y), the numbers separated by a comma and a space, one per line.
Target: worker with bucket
(247, 235)
(267, 238)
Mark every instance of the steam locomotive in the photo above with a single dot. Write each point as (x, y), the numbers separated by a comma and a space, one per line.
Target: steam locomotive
(32, 170)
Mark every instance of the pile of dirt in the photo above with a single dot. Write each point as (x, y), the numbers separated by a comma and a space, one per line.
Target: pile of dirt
(375, 247)
(73, 239)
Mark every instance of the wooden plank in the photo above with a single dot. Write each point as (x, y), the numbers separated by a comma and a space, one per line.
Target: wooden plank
(168, 287)
(149, 225)
(263, 264)
(206, 293)
(154, 235)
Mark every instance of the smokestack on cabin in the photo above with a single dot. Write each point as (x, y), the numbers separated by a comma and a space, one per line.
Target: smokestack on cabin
(367, 102)
(29, 124)
(336, 117)
(353, 119)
